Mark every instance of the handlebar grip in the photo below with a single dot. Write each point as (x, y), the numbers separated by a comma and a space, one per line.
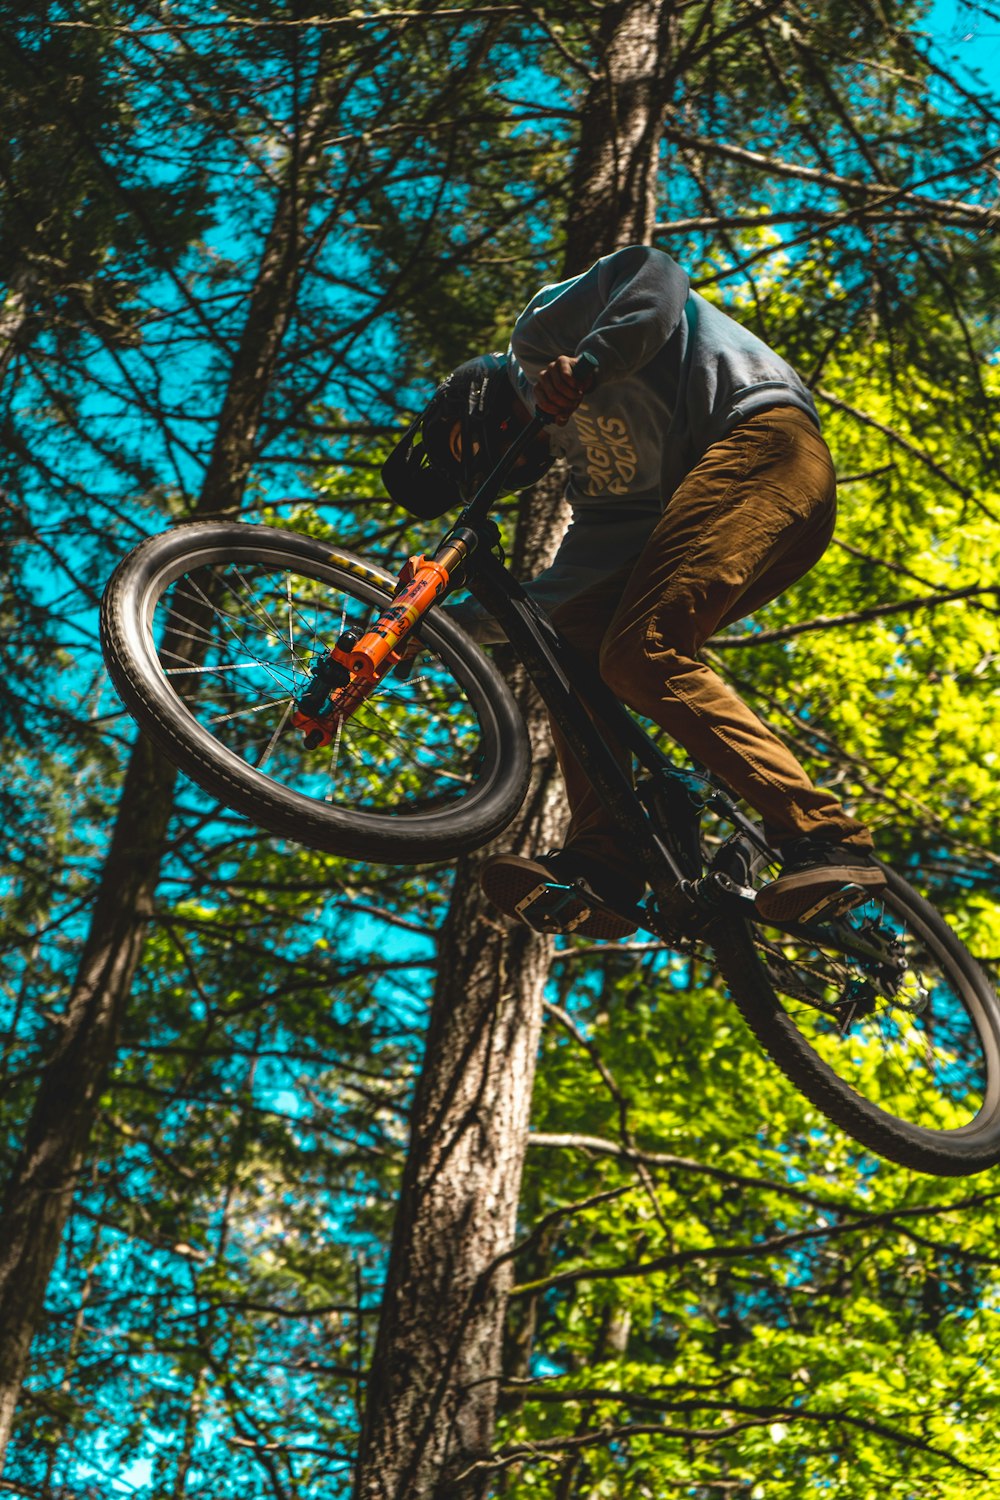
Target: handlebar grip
(587, 367)
(585, 373)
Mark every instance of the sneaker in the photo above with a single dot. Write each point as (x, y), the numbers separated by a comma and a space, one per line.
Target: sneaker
(562, 892)
(819, 877)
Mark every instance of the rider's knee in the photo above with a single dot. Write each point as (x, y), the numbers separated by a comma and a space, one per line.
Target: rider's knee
(624, 664)
(636, 664)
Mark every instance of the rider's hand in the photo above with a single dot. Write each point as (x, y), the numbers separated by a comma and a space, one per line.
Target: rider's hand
(556, 391)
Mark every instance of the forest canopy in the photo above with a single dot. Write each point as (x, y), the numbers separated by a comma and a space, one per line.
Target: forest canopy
(239, 245)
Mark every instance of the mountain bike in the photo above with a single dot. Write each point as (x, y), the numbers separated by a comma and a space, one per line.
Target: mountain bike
(279, 672)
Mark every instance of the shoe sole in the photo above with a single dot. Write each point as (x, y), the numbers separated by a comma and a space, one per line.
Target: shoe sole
(793, 898)
(509, 886)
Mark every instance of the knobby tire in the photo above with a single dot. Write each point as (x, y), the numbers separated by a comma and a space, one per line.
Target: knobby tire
(973, 1031)
(406, 805)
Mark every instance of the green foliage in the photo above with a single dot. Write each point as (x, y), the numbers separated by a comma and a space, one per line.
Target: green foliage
(756, 1303)
(771, 1312)
(717, 1293)
(881, 663)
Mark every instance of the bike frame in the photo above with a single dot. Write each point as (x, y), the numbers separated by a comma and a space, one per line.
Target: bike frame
(576, 698)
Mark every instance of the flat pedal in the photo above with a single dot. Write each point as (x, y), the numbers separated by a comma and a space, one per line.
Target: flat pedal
(835, 903)
(554, 908)
(527, 892)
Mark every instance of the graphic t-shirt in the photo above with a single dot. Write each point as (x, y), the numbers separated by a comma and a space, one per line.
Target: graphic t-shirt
(675, 374)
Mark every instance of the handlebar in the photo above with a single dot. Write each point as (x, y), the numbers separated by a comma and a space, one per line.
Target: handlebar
(478, 507)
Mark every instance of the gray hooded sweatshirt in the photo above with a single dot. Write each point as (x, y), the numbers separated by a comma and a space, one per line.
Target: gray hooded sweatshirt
(674, 374)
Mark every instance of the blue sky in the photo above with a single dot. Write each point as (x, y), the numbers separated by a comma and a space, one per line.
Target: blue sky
(965, 34)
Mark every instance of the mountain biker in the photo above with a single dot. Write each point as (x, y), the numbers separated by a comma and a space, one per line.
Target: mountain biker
(700, 488)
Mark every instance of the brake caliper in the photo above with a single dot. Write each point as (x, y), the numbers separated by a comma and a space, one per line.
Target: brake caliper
(345, 676)
(330, 673)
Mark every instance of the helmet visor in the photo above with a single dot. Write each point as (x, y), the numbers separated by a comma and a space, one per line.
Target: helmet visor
(435, 467)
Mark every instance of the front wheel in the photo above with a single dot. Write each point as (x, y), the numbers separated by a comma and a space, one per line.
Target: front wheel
(884, 1021)
(210, 632)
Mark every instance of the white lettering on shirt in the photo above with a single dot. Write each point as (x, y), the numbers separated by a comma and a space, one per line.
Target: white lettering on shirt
(610, 454)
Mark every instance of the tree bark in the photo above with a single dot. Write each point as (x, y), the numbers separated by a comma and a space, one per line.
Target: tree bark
(15, 319)
(613, 197)
(432, 1391)
(39, 1191)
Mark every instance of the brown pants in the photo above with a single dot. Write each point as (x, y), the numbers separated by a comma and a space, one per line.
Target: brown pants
(755, 514)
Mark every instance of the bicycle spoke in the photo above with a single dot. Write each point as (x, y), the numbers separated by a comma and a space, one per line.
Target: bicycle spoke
(222, 666)
(896, 1040)
(222, 615)
(257, 610)
(374, 724)
(288, 593)
(411, 743)
(276, 735)
(335, 756)
(242, 713)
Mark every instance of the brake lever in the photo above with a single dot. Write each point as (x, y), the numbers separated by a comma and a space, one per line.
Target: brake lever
(479, 505)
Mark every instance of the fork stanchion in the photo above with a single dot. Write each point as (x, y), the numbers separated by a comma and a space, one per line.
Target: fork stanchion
(421, 583)
(353, 668)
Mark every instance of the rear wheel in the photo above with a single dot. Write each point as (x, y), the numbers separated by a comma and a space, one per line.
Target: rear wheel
(884, 1021)
(210, 632)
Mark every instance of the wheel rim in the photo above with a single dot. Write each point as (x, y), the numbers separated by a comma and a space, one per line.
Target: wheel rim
(234, 641)
(878, 998)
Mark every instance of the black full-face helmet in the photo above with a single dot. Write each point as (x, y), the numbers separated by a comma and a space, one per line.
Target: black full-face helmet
(422, 473)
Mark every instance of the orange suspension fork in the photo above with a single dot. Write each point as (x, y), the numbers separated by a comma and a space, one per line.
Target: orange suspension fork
(352, 669)
(422, 581)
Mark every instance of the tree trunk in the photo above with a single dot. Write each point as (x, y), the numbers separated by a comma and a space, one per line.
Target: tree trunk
(432, 1391)
(613, 198)
(15, 319)
(433, 1387)
(40, 1188)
